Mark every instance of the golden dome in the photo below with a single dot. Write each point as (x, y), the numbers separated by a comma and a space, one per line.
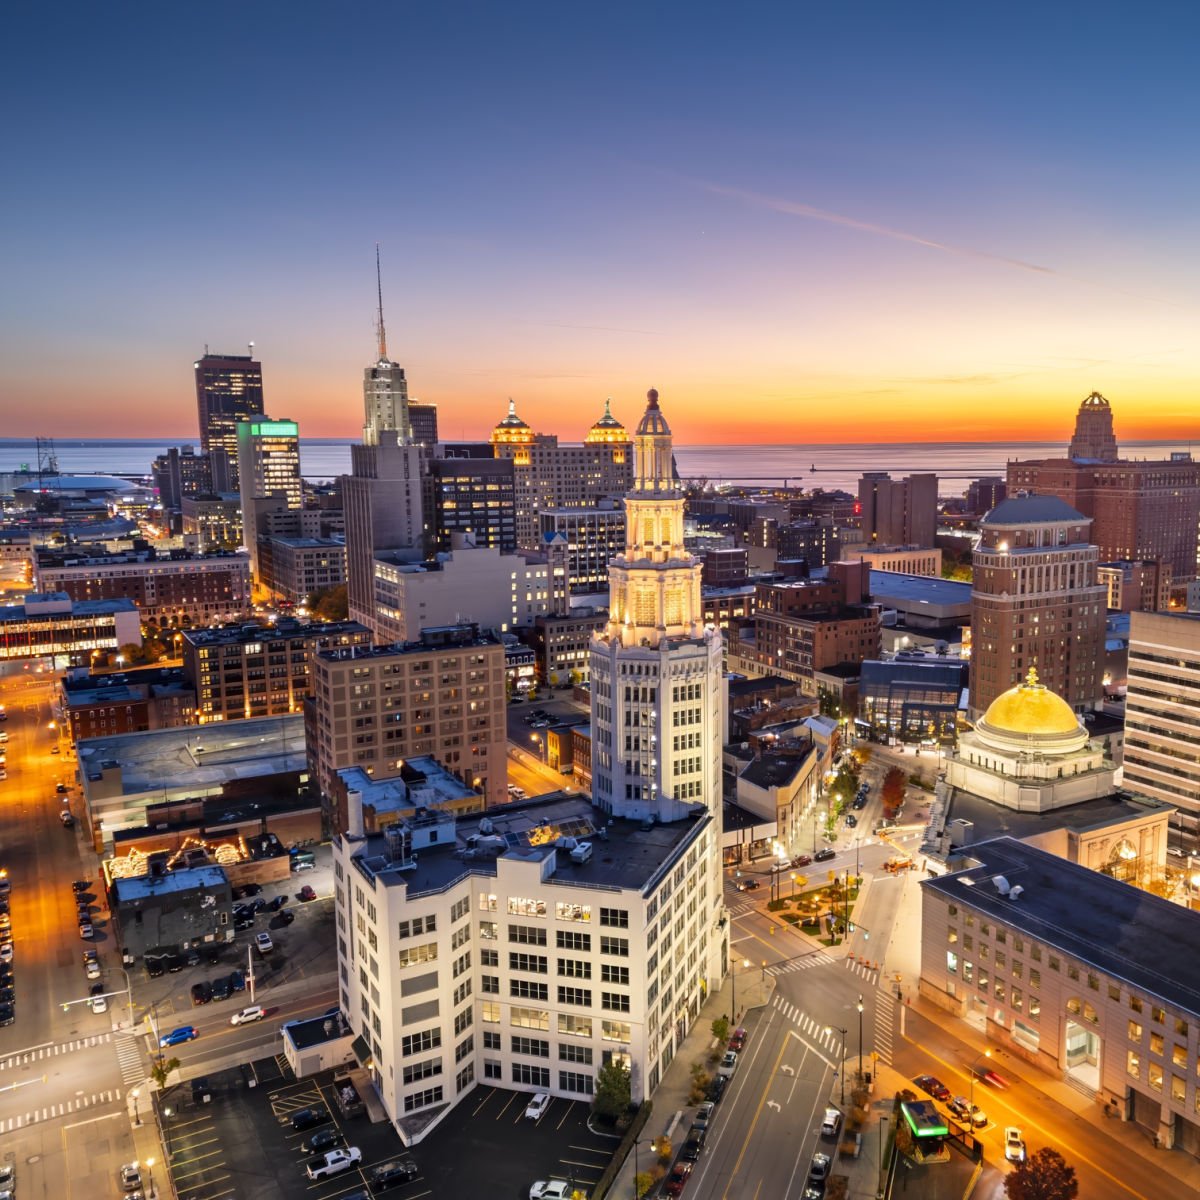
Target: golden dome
(1031, 710)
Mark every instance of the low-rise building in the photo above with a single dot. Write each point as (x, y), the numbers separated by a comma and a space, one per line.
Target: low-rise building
(1137, 586)
(52, 625)
(522, 948)
(781, 785)
(215, 521)
(125, 702)
(259, 670)
(563, 644)
(172, 910)
(1063, 966)
(292, 569)
(912, 698)
(903, 560)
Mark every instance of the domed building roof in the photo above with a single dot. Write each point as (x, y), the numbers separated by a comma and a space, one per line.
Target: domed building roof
(608, 428)
(1031, 717)
(653, 423)
(512, 428)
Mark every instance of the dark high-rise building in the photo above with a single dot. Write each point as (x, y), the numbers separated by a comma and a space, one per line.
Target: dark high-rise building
(1140, 509)
(898, 512)
(229, 389)
(181, 472)
(424, 421)
(471, 495)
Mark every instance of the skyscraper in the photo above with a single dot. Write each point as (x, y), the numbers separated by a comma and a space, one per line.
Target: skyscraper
(229, 389)
(382, 494)
(1094, 439)
(268, 461)
(1036, 602)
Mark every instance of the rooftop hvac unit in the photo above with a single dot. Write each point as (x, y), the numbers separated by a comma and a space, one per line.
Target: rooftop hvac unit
(1015, 892)
(1002, 885)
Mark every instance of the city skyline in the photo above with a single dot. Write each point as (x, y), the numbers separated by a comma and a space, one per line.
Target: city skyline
(900, 223)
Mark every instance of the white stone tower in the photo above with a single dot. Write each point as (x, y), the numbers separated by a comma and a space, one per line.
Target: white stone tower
(657, 682)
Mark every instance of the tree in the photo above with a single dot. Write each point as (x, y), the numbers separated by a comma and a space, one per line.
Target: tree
(720, 1029)
(612, 1090)
(329, 604)
(162, 1069)
(1042, 1176)
(892, 791)
(643, 1181)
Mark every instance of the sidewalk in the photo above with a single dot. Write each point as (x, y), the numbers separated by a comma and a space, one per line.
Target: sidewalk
(670, 1099)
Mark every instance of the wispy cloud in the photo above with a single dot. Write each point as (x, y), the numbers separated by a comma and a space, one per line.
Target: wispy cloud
(570, 325)
(792, 208)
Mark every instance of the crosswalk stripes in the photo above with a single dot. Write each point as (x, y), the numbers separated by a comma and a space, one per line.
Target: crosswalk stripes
(741, 910)
(822, 1035)
(130, 1060)
(870, 974)
(818, 959)
(25, 1057)
(885, 1025)
(51, 1111)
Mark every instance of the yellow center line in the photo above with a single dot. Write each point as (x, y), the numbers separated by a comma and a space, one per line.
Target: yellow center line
(1051, 1139)
(757, 1112)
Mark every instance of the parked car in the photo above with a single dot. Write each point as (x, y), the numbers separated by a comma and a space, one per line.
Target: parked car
(251, 889)
(68, 821)
(155, 966)
(818, 1169)
(130, 1177)
(245, 1016)
(306, 893)
(201, 993)
(935, 1087)
(237, 981)
(729, 1061)
(8, 1014)
(276, 904)
(388, 1174)
(716, 1088)
(825, 854)
(61, 789)
(747, 885)
(323, 1139)
(174, 963)
(263, 943)
(551, 1189)
(704, 1114)
(306, 1118)
(536, 1108)
(851, 821)
(85, 930)
(185, 1033)
(1014, 1145)
(221, 988)
(332, 1162)
(694, 1144)
(831, 1122)
(677, 1180)
(801, 860)
(282, 919)
(737, 1039)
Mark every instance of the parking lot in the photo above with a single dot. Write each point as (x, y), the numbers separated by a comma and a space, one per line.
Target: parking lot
(240, 1145)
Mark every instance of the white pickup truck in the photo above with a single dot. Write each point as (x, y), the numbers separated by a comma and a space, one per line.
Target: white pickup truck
(332, 1162)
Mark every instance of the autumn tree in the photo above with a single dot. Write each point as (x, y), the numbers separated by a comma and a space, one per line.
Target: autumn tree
(892, 791)
(1042, 1176)
(330, 603)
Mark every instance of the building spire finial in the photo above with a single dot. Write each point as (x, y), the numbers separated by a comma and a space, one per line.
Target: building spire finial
(382, 333)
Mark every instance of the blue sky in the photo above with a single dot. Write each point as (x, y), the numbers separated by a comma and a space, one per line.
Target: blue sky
(986, 214)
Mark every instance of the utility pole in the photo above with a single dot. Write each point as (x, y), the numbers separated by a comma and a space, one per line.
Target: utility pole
(250, 970)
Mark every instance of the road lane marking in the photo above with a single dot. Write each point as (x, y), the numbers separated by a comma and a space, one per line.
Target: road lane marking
(757, 1113)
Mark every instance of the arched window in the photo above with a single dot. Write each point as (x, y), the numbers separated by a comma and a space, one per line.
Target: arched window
(1073, 1006)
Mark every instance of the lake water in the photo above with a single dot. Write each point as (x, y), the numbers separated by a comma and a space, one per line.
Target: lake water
(956, 463)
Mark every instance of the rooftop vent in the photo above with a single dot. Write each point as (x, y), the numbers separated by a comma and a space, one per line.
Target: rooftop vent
(1015, 892)
(1002, 884)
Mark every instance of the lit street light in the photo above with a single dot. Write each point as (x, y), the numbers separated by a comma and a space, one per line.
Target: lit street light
(860, 1040)
(150, 1172)
(137, 1118)
(733, 980)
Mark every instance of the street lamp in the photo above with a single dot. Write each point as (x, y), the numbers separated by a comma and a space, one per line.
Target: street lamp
(537, 737)
(733, 980)
(150, 1172)
(839, 1029)
(882, 1126)
(974, 1064)
(137, 1119)
(860, 1042)
(793, 885)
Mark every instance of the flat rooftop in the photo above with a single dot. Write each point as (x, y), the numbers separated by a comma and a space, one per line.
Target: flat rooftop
(77, 608)
(141, 887)
(994, 820)
(396, 794)
(281, 631)
(199, 757)
(920, 589)
(1131, 935)
(627, 858)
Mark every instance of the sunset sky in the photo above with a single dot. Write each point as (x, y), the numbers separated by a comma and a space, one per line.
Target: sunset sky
(800, 222)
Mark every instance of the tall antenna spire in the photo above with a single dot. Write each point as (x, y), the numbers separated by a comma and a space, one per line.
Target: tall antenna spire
(379, 287)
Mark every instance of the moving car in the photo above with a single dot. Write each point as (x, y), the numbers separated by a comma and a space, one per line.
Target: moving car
(263, 943)
(185, 1033)
(1014, 1145)
(552, 1189)
(130, 1177)
(831, 1123)
(67, 820)
(536, 1108)
(825, 855)
(99, 1001)
(388, 1174)
(91, 968)
(851, 820)
(255, 1012)
(677, 1180)
(747, 885)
